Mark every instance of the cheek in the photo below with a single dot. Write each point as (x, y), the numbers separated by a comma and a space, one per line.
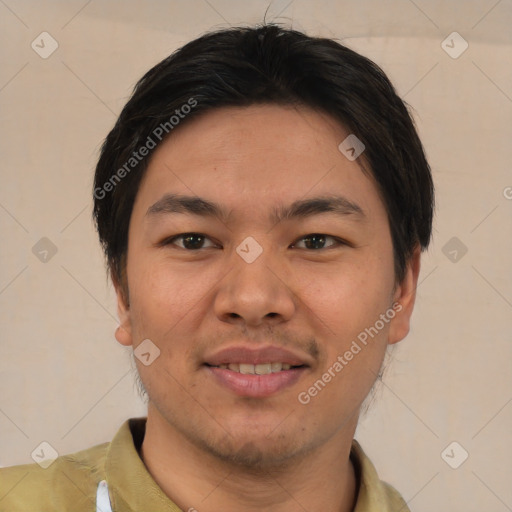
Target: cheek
(349, 303)
(169, 303)
(163, 294)
(347, 297)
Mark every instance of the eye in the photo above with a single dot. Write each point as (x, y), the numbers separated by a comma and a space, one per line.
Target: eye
(196, 241)
(191, 241)
(316, 241)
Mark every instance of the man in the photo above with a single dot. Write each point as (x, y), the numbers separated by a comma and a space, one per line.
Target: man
(262, 201)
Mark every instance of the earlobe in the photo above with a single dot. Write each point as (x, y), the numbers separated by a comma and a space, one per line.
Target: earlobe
(404, 298)
(123, 336)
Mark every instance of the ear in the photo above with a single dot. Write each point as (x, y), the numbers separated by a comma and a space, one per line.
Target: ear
(403, 299)
(124, 330)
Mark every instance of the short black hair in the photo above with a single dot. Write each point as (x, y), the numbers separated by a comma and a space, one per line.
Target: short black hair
(267, 64)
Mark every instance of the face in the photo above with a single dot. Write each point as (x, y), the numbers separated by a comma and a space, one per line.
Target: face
(270, 292)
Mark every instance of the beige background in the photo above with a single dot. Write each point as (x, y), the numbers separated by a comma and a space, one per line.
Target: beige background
(63, 377)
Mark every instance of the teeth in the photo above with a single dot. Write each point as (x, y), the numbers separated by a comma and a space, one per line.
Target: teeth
(247, 369)
(263, 369)
(256, 369)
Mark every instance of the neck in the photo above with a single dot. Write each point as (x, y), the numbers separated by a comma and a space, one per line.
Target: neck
(193, 478)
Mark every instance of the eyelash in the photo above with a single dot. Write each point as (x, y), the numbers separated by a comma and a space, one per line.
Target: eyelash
(171, 240)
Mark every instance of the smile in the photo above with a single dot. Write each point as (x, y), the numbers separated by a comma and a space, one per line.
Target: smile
(255, 380)
(255, 369)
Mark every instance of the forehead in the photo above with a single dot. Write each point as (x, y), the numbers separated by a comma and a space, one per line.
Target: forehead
(257, 158)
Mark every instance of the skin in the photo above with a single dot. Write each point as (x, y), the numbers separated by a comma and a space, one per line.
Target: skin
(207, 447)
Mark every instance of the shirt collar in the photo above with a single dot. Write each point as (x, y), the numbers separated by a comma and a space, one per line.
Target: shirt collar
(132, 488)
(374, 495)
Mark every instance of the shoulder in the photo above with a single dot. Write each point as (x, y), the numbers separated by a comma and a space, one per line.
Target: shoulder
(68, 483)
(393, 498)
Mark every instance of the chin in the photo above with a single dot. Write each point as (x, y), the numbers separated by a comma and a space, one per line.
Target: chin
(255, 455)
(257, 448)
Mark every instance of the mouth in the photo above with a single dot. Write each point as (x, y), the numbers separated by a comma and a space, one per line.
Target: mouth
(256, 380)
(256, 369)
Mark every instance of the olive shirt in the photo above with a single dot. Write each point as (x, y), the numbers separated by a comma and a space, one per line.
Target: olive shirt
(111, 477)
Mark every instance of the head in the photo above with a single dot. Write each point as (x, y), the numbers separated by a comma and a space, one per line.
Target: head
(237, 142)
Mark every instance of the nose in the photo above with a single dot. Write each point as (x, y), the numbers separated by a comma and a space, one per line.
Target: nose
(255, 293)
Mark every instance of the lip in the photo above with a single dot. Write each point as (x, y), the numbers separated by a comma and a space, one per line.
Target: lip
(259, 355)
(256, 386)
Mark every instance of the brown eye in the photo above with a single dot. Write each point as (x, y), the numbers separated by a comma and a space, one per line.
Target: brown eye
(317, 241)
(189, 241)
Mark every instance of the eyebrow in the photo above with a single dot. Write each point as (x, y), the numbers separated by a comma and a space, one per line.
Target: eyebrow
(302, 208)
